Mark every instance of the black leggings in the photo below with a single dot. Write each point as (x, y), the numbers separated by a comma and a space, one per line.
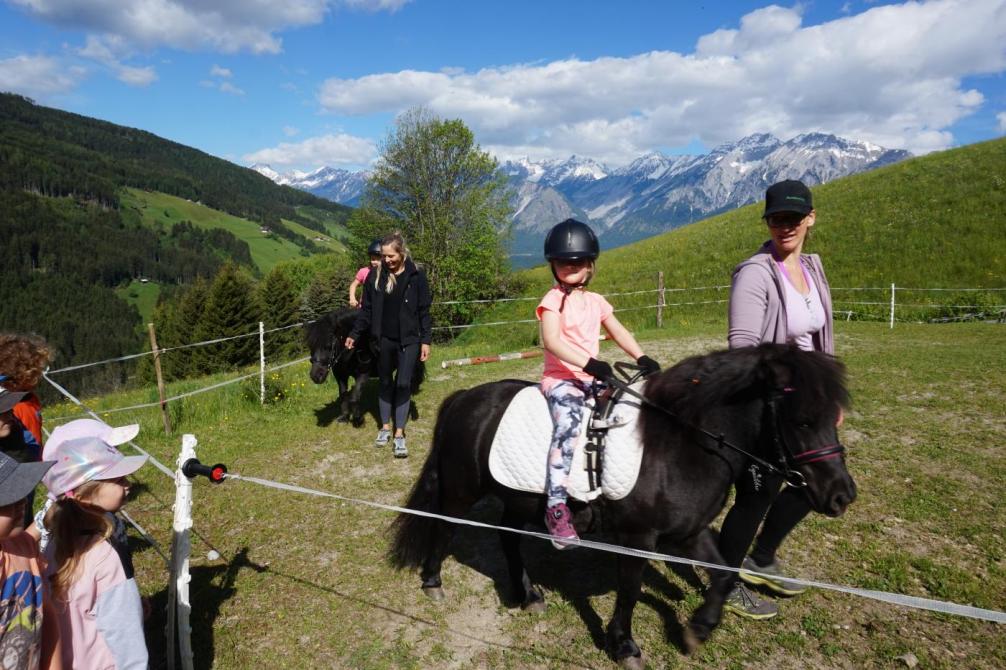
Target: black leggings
(396, 389)
(757, 494)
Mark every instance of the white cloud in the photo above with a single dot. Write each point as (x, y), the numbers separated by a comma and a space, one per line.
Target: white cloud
(227, 87)
(891, 75)
(376, 5)
(226, 26)
(136, 76)
(1001, 118)
(109, 51)
(38, 76)
(333, 150)
(291, 131)
(217, 71)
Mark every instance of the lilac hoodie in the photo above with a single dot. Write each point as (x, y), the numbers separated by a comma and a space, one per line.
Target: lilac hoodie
(757, 305)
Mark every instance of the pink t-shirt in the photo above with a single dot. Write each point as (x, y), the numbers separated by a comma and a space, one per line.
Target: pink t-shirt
(362, 273)
(579, 327)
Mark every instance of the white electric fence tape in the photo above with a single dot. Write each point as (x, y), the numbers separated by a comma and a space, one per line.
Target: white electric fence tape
(156, 463)
(884, 596)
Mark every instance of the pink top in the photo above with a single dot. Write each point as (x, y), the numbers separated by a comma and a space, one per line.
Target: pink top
(579, 327)
(361, 274)
(101, 621)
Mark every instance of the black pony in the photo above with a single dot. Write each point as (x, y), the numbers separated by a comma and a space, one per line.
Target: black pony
(775, 402)
(326, 339)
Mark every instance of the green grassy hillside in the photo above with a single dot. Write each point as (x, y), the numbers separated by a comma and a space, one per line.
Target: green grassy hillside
(158, 210)
(934, 221)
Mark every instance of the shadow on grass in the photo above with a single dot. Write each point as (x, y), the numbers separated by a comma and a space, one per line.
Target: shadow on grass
(577, 575)
(212, 586)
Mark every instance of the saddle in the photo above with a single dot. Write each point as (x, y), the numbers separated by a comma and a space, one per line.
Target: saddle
(606, 458)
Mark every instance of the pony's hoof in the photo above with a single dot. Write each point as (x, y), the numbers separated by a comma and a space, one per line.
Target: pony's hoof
(535, 607)
(342, 419)
(434, 593)
(691, 640)
(357, 421)
(632, 662)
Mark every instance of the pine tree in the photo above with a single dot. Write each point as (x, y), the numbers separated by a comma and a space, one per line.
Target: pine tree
(231, 309)
(327, 291)
(189, 314)
(280, 307)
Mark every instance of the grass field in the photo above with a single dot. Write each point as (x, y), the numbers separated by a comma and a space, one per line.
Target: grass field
(154, 208)
(303, 581)
(143, 295)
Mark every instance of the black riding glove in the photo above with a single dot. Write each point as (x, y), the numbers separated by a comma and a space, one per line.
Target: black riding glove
(648, 365)
(598, 369)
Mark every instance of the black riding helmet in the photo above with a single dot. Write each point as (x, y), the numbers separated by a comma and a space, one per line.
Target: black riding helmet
(375, 248)
(571, 240)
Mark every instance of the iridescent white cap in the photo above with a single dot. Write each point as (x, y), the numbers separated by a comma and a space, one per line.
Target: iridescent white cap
(86, 459)
(79, 428)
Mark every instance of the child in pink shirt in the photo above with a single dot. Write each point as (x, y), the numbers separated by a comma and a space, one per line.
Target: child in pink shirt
(98, 603)
(374, 251)
(571, 318)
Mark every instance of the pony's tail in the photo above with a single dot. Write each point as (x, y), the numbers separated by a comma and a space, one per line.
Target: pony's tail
(417, 537)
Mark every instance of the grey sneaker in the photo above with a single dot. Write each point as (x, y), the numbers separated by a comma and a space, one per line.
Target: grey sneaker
(399, 449)
(776, 582)
(383, 437)
(745, 603)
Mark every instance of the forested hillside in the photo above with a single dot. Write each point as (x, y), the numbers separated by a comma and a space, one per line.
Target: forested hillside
(68, 241)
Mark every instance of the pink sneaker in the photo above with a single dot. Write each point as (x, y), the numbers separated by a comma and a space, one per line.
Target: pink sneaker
(559, 522)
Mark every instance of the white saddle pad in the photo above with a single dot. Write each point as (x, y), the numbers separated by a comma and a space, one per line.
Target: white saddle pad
(518, 458)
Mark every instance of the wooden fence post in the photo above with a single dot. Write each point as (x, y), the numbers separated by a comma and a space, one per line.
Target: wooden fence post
(660, 299)
(160, 378)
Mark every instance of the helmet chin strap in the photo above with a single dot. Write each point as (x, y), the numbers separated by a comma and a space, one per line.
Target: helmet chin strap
(566, 288)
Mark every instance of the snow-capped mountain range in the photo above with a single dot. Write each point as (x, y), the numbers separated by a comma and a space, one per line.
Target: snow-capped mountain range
(650, 195)
(335, 184)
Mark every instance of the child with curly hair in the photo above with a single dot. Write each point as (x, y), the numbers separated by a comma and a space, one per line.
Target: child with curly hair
(23, 358)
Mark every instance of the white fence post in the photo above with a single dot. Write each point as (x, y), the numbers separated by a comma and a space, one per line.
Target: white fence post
(261, 358)
(892, 304)
(179, 607)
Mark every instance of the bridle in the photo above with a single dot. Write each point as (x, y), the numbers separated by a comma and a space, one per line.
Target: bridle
(333, 359)
(787, 462)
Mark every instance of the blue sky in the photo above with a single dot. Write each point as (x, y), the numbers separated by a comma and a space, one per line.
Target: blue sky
(302, 83)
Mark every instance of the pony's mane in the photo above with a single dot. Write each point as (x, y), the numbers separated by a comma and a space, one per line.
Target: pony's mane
(319, 332)
(807, 381)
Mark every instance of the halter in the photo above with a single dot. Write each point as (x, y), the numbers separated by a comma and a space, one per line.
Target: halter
(332, 358)
(787, 460)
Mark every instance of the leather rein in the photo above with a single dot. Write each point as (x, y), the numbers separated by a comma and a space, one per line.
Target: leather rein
(787, 460)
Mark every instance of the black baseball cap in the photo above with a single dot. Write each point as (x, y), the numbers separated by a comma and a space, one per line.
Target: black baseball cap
(17, 480)
(788, 196)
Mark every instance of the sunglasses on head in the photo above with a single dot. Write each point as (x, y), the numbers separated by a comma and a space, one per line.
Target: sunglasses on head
(784, 219)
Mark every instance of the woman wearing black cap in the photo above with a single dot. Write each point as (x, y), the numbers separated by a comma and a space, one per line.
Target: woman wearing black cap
(778, 295)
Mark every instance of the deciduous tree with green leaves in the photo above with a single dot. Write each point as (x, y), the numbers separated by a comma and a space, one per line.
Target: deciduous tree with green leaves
(447, 197)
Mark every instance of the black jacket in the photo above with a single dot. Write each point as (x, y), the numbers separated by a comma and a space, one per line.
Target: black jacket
(414, 320)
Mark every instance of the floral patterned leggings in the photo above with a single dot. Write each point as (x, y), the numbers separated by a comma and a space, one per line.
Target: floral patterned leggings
(567, 403)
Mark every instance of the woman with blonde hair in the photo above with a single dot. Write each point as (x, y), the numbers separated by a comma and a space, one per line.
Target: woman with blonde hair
(396, 312)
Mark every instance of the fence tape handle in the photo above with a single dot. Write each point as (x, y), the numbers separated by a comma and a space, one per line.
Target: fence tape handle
(215, 473)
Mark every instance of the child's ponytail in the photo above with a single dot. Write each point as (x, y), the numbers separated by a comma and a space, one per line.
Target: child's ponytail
(74, 526)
